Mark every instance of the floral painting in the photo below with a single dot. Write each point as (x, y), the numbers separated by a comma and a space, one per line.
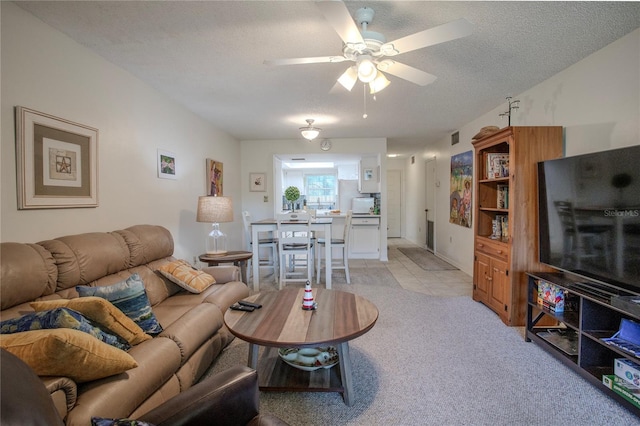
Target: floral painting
(166, 165)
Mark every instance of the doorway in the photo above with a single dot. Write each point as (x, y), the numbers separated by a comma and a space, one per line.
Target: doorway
(394, 204)
(430, 203)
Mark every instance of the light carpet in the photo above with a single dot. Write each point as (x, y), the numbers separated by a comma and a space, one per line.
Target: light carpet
(443, 361)
(425, 259)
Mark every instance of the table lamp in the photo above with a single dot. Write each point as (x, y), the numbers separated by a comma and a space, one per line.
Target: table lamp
(215, 210)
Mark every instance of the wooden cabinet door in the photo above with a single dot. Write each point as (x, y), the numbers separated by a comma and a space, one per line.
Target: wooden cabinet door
(499, 290)
(481, 278)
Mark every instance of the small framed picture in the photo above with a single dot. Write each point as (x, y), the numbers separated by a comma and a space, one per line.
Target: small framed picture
(368, 174)
(214, 177)
(258, 182)
(166, 165)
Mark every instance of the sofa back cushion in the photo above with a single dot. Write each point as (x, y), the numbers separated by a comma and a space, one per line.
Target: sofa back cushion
(33, 271)
(86, 257)
(27, 271)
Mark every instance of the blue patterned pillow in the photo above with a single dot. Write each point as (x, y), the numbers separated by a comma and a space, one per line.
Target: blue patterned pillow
(100, 421)
(61, 318)
(130, 297)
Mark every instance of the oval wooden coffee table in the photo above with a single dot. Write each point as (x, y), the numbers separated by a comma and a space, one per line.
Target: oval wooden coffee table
(282, 323)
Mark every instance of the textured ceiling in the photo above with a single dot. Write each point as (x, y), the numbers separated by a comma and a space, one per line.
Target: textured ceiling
(209, 56)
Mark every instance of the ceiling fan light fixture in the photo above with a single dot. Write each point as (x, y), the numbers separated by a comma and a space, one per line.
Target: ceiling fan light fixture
(378, 84)
(349, 78)
(388, 49)
(367, 70)
(309, 132)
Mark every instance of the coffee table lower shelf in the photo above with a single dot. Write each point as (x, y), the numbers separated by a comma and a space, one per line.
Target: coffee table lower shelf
(275, 375)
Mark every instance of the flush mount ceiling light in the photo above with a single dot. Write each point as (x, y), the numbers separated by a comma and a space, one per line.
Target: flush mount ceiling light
(309, 132)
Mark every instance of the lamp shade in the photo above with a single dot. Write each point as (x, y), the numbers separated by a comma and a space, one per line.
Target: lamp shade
(310, 134)
(349, 78)
(378, 84)
(367, 70)
(214, 209)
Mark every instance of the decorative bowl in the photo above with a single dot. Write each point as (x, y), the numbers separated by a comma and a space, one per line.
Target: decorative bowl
(310, 359)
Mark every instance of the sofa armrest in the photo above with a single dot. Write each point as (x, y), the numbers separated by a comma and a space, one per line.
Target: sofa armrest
(25, 400)
(227, 398)
(64, 393)
(224, 273)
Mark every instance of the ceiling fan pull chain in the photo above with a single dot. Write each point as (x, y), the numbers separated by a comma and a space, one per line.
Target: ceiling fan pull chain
(364, 92)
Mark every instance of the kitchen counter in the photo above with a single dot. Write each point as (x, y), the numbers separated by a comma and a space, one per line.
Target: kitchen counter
(345, 215)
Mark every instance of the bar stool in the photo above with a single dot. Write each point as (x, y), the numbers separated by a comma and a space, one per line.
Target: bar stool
(337, 243)
(269, 242)
(295, 248)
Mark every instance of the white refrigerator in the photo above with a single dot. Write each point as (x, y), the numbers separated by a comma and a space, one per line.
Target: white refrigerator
(347, 190)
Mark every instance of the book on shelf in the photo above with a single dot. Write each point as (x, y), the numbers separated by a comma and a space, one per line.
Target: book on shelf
(500, 227)
(497, 165)
(503, 196)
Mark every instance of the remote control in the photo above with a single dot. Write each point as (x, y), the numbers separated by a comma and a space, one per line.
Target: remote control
(250, 304)
(237, 307)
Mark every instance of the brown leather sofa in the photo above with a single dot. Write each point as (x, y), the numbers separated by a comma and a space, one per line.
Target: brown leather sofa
(170, 363)
(228, 398)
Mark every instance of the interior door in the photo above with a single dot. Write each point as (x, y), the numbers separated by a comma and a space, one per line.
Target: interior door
(394, 204)
(430, 203)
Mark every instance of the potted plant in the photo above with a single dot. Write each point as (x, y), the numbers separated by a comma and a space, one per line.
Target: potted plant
(292, 193)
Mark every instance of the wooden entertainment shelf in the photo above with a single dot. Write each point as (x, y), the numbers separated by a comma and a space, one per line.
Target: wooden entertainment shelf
(506, 194)
(577, 339)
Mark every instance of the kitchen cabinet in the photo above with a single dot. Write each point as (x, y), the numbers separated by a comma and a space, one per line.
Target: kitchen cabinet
(364, 238)
(369, 175)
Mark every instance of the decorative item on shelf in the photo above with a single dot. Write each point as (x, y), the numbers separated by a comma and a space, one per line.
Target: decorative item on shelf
(503, 197)
(497, 164)
(309, 132)
(215, 210)
(513, 105)
(500, 228)
(292, 193)
(485, 131)
(307, 301)
(310, 359)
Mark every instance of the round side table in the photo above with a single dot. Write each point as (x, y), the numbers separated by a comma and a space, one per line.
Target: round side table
(238, 258)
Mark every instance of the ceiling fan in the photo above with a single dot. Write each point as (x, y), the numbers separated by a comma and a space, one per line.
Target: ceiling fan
(372, 53)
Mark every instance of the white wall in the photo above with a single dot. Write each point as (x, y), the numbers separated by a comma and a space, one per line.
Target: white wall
(597, 100)
(258, 157)
(44, 70)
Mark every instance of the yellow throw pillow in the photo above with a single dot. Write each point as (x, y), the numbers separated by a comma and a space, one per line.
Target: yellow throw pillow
(101, 311)
(186, 276)
(68, 353)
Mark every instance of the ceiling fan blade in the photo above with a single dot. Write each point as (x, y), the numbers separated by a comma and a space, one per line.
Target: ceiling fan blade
(338, 15)
(298, 61)
(445, 32)
(337, 88)
(408, 73)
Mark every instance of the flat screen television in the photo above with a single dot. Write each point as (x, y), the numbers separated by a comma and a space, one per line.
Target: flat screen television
(589, 219)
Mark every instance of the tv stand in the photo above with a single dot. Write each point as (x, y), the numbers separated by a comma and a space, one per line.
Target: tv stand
(576, 340)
